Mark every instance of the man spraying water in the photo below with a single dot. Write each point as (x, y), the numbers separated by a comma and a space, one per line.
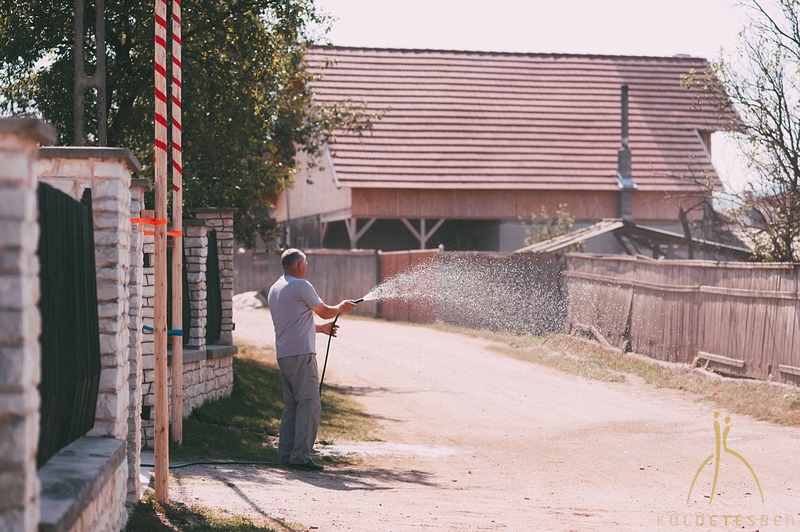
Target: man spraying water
(293, 302)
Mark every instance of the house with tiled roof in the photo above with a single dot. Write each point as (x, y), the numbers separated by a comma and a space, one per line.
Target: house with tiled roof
(471, 143)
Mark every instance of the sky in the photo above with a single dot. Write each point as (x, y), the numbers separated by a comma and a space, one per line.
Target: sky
(619, 27)
(701, 28)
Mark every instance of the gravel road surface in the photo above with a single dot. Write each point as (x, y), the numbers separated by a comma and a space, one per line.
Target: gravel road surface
(471, 439)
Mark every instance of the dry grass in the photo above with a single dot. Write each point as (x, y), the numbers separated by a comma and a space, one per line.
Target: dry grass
(151, 516)
(762, 400)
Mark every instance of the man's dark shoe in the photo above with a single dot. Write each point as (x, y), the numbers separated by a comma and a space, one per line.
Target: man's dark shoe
(308, 466)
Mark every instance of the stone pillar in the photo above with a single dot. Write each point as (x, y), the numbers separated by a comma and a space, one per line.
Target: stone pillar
(135, 282)
(221, 220)
(195, 245)
(107, 171)
(148, 303)
(20, 323)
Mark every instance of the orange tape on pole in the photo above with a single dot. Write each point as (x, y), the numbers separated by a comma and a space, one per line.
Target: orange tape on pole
(174, 234)
(148, 221)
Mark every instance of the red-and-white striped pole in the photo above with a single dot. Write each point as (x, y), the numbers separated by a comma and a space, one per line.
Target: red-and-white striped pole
(177, 227)
(161, 435)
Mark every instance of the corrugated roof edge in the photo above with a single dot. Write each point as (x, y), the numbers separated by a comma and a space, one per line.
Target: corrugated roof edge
(675, 58)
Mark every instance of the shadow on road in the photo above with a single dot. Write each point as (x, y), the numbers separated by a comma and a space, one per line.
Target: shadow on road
(332, 479)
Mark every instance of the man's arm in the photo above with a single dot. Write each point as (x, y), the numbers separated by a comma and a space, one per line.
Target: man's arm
(327, 312)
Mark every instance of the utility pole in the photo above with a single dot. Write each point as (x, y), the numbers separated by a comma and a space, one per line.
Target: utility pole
(96, 81)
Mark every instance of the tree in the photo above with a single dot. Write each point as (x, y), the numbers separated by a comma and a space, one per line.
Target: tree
(247, 106)
(762, 84)
(543, 227)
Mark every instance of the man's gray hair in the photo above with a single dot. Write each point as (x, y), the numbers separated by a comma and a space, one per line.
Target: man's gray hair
(291, 256)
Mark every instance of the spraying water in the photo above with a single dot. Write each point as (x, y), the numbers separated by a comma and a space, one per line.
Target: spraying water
(499, 293)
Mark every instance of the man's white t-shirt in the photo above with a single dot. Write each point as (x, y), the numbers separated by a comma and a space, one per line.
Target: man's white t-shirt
(290, 301)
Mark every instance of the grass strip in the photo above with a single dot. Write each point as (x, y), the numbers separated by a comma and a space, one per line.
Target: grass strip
(759, 399)
(151, 516)
(245, 425)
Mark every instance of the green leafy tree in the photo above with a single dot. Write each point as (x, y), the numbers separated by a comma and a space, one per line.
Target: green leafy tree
(247, 106)
(543, 227)
(761, 83)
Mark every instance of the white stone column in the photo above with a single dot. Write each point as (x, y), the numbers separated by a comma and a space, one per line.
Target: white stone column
(20, 323)
(135, 288)
(221, 220)
(195, 245)
(148, 295)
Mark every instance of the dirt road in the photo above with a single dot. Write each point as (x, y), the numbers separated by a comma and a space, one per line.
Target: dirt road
(474, 440)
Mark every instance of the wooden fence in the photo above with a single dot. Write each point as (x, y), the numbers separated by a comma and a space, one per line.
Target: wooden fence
(336, 274)
(736, 318)
(478, 289)
(485, 290)
(397, 262)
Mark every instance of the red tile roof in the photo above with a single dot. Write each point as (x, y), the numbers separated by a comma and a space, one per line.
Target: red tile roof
(502, 120)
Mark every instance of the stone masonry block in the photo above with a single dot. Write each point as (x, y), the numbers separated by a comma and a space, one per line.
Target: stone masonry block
(17, 325)
(105, 255)
(111, 380)
(112, 169)
(107, 205)
(110, 291)
(113, 274)
(113, 189)
(111, 310)
(17, 204)
(18, 235)
(14, 487)
(112, 238)
(19, 364)
(18, 292)
(110, 220)
(15, 165)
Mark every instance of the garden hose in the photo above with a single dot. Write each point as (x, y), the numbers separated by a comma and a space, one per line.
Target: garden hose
(328, 350)
(235, 462)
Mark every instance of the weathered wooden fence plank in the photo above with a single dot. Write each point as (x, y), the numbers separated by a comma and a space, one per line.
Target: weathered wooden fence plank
(739, 311)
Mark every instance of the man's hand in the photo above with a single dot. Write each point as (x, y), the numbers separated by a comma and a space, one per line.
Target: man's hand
(327, 312)
(328, 328)
(346, 306)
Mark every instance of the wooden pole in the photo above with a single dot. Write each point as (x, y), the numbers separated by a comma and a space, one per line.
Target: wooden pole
(160, 239)
(177, 226)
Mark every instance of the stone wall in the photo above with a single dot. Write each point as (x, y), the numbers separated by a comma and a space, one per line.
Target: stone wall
(84, 487)
(107, 510)
(206, 379)
(19, 322)
(207, 369)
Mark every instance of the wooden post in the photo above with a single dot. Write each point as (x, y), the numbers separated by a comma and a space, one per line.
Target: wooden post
(177, 226)
(160, 240)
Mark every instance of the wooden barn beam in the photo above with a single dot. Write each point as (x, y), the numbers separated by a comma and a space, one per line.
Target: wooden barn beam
(422, 235)
(354, 233)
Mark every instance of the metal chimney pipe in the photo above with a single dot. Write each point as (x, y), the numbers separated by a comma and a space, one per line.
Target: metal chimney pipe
(624, 98)
(624, 168)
